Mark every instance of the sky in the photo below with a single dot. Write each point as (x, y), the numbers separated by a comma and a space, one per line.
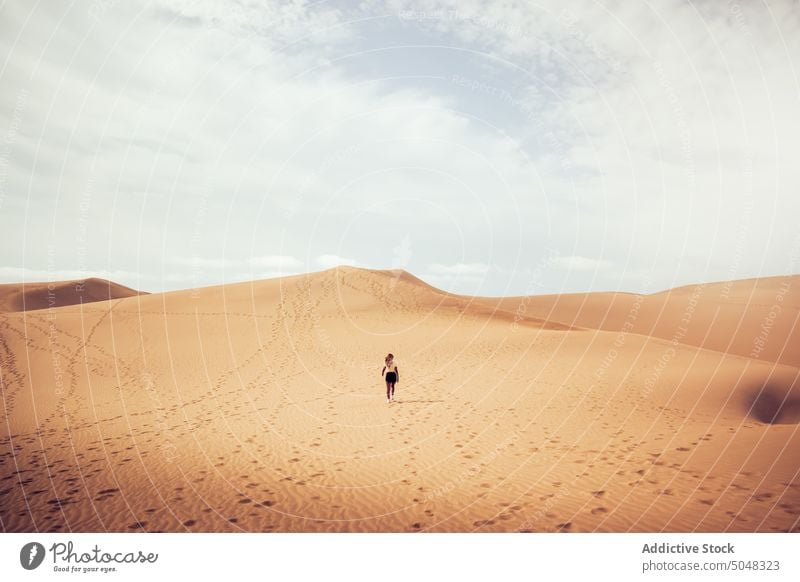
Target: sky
(489, 148)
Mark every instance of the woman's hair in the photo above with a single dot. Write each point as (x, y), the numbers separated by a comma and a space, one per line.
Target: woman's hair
(389, 357)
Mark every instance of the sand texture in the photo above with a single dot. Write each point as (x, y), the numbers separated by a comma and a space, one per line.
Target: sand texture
(260, 407)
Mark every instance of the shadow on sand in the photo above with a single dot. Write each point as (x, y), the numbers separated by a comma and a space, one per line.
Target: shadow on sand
(774, 402)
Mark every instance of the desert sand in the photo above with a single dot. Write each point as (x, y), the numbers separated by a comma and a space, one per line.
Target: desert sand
(34, 296)
(260, 407)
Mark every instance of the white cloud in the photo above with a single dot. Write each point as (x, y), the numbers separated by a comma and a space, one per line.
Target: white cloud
(660, 138)
(577, 263)
(25, 275)
(459, 269)
(674, 126)
(330, 261)
(464, 278)
(276, 22)
(278, 262)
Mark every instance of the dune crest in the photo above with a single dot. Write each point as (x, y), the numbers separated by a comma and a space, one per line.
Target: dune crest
(752, 318)
(35, 296)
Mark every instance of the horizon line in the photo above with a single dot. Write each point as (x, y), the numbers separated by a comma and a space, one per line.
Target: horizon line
(400, 271)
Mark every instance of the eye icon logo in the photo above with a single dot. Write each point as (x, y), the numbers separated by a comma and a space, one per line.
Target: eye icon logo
(31, 555)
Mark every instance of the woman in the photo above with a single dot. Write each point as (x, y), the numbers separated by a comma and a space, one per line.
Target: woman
(392, 376)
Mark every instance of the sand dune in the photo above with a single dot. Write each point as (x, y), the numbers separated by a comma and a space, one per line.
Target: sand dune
(755, 318)
(33, 296)
(259, 407)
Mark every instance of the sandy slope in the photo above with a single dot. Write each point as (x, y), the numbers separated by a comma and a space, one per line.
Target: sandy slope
(260, 407)
(33, 296)
(755, 318)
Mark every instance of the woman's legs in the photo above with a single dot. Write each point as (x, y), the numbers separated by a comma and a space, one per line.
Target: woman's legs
(392, 390)
(388, 390)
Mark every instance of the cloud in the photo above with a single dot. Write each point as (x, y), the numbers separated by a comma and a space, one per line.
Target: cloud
(660, 138)
(330, 261)
(276, 22)
(669, 124)
(25, 275)
(464, 278)
(577, 263)
(459, 269)
(277, 262)
(197, 271)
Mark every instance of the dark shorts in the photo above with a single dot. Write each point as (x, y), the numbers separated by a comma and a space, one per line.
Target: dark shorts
(391, 377)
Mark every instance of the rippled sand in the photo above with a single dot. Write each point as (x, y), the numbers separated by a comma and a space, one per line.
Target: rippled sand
(260, 407)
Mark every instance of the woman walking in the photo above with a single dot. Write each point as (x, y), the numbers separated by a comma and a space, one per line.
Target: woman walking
(392, 376)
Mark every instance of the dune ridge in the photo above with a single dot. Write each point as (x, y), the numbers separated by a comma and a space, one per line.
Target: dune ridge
(754, 318)
(259, 406)
(50, 295)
